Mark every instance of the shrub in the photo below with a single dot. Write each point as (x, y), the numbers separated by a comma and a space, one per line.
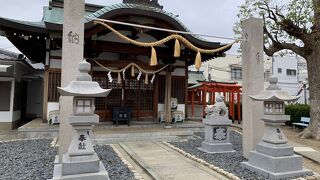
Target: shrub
(296, 111)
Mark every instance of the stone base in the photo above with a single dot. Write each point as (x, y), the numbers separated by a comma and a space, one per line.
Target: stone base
(8, 125)
(216, 147)
(273, 175)
(102, 174)
(80, 164)
(276, 167)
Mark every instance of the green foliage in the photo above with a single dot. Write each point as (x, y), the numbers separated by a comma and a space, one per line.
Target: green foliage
(296, 111)
(300, 12)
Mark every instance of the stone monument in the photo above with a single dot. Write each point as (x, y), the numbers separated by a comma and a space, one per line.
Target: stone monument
(273, 157)
(252, 82)
(216, 128)
(81, 161)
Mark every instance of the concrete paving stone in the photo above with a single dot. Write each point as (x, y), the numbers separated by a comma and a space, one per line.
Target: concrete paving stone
(164, 163)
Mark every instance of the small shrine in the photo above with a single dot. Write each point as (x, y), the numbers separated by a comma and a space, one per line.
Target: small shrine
(81, 161)
(273, 157)
(216, 128)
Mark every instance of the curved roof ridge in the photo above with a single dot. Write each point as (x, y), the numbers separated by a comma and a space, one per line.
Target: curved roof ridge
(28, 23)
(11, 54)
(109, 8)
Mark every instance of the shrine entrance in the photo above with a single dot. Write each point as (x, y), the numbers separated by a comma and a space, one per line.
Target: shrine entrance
(131, 92)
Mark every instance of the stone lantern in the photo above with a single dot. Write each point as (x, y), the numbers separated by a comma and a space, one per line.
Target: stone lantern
(273, 157)
(81, 161)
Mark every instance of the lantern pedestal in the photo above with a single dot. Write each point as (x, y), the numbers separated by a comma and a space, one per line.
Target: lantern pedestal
(216, 131)
(81, 161)
(273, 157)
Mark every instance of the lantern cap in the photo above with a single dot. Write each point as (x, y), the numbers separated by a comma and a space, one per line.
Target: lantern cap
(274, 93)
(83, 86)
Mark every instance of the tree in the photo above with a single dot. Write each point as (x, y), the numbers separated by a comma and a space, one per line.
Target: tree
(292, 25)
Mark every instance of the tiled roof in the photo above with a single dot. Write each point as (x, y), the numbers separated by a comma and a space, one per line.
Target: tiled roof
(195, 77)
(107, 9)
(27, 23)
(9, 55)
(12, 56)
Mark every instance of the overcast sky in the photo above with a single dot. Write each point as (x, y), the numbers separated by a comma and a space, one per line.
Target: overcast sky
(211, 17)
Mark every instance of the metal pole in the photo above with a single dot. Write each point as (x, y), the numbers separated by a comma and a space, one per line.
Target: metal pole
(305, 93)
(161, 29)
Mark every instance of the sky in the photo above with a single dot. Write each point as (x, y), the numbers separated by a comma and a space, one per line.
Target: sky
(210, 17)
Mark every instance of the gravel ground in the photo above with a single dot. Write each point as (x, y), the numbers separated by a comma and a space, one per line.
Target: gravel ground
(228, 161)
(33, 159)
(115, 167)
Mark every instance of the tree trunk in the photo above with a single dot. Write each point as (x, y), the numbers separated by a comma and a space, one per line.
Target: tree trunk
(313, 64)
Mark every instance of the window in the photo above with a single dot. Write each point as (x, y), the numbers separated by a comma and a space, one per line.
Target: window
(5, 92)
(83, 106)
(291, 72)
(236, 73)
(279, 70)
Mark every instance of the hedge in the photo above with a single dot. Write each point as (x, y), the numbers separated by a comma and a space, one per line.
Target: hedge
(296, 111)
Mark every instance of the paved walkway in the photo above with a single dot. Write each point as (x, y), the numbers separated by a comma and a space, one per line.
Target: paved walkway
(161, 162)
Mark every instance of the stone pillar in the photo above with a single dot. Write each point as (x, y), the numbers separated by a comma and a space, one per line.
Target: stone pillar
(252, 83)
(72, 54)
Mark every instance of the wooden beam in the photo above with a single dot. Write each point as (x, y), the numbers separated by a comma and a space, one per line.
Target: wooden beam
(239, 107)
(186, 91)
(156, 99)
(45, 96)
(192, 103)
(126, 48)
(167, 104)
(204, 100)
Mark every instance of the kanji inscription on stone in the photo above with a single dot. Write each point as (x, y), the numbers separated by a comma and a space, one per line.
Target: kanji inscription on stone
(82, 137)
(73, 37)
(81, 146)
(219, 133)
(279, 134)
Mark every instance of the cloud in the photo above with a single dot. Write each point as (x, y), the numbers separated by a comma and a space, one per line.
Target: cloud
(210, 17)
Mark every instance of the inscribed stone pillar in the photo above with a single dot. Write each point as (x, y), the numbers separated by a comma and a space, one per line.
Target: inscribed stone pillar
(72, 54)
(252, 83)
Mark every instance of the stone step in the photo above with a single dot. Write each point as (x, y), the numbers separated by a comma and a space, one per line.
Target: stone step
(112, 138)
(134, 139)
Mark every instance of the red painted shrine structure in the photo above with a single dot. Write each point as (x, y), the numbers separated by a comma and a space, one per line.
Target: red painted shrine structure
(197, 95)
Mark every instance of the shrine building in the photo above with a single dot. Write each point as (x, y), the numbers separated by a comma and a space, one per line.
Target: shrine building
(41, 42)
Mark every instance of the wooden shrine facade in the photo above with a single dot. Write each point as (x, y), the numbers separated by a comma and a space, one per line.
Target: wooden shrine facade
(42, 42)
(205, 92)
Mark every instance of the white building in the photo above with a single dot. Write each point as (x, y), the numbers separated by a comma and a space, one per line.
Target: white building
(290, 70)
(20, 90)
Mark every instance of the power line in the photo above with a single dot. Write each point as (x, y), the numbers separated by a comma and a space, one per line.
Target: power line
(162, 29)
